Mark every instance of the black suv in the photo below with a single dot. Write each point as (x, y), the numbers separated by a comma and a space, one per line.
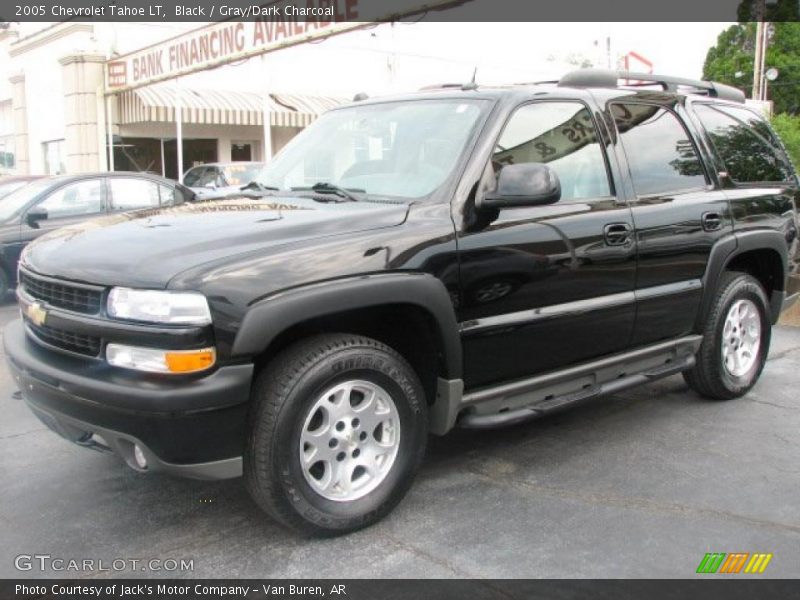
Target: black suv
(457, 257)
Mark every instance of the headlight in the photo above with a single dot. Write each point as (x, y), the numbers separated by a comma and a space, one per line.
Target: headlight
(154, 306)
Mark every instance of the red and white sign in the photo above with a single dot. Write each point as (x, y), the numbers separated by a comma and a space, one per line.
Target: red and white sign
(637, 63)
(224, 42)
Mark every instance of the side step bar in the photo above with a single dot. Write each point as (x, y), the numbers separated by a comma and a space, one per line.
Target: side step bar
(522, 400)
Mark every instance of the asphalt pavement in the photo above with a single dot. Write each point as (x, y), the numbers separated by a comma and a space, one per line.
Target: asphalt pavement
(641, 484)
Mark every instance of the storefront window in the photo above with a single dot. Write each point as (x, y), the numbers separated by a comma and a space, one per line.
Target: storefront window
(54, 158)
(7, 152)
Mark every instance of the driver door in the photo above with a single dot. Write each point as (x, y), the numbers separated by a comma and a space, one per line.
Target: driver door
(544, 287)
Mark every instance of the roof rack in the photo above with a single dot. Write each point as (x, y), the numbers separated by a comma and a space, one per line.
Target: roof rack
(602, 78)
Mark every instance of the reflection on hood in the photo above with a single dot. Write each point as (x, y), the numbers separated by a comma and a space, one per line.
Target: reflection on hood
(219, 206)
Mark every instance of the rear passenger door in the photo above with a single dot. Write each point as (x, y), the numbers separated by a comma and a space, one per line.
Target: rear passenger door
(678, 212)
(758, 176)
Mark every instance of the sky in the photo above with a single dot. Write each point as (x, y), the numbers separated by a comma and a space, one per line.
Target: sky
(429, 53)
(406, 56)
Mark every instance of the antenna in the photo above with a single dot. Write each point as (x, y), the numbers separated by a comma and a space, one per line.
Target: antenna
(471, 85)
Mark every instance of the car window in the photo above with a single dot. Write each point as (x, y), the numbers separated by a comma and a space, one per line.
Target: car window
(561, 135)
(745, 143)
(661, 155)
(169, 195)
(75, 199)
(203, 177)
(193, 176)
(241, 174)
(129, 194)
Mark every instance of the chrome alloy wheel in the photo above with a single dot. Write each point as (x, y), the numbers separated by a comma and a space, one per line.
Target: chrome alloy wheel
(349, 440)
(741, 337)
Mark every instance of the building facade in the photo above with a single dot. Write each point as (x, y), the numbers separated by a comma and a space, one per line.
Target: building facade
(56, 118)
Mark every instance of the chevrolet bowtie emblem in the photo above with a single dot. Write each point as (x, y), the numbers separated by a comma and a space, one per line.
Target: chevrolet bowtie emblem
(36, 313)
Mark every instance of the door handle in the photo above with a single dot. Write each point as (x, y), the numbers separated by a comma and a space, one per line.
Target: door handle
(711, 221)
(617, 234)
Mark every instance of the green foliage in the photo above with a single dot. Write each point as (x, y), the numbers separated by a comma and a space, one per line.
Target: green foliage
(788, 128)
(734, 51)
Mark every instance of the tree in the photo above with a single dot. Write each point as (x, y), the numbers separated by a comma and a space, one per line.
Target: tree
(733, 55)
(788, 129)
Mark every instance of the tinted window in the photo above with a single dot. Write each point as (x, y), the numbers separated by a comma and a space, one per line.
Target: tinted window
(561, 135)
(744, 142)
(128, 194)
(75, 199)
(661, 155)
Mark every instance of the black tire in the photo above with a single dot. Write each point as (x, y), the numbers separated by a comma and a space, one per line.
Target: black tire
(709, 377)
(283, 395)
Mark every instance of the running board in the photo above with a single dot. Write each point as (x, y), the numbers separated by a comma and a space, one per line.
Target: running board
(519, 401)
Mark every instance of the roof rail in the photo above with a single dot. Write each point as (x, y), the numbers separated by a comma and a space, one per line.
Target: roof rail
(610, 79)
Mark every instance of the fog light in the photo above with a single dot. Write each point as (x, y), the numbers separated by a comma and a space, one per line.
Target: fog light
(160, 361)
(138, 456)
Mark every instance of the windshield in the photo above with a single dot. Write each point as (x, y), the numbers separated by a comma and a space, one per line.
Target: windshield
(18, 199)
(395, 149)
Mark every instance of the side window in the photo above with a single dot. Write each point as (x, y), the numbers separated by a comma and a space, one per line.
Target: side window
(745, 143)
(563, 136)
(75, 199)
(661, 155)
(194, 176)
(128, 194)
(169, 195)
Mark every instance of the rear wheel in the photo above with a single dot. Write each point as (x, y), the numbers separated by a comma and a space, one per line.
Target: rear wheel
(735, 340)
(336, 434)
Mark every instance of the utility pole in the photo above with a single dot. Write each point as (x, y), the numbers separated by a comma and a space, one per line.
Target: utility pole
(759, 59)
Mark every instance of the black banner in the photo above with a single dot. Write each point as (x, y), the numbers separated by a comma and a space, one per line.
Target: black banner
(438, 589)
(328, 11)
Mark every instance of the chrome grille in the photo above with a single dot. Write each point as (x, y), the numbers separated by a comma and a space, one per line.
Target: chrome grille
(85, 300)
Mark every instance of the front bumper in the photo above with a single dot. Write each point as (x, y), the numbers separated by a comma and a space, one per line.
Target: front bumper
(190, 426)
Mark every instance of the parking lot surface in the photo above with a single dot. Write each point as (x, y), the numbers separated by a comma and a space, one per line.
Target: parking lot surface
(641, 484)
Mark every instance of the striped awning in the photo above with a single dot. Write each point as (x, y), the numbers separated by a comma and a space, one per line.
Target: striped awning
(156, 103)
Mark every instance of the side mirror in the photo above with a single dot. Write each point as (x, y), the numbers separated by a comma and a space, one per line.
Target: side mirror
(210, 185)
(34, 215)
(524, 184)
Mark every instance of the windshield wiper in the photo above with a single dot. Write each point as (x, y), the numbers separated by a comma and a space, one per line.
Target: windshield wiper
(323, 187)
(257, 185)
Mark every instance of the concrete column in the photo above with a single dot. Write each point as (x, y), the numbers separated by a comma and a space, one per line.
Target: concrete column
(19, 110)
(83, 75)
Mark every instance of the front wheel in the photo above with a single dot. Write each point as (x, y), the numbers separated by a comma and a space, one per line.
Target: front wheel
(735, 340)
(336, 434)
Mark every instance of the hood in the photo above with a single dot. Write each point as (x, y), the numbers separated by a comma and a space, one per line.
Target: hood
(148, 248)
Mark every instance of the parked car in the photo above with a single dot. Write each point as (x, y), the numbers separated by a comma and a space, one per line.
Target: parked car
(47, 203)
(465, 257)
(13, 182)
(216, 180)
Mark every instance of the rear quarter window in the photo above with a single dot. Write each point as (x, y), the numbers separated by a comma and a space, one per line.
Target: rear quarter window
(749, 150)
